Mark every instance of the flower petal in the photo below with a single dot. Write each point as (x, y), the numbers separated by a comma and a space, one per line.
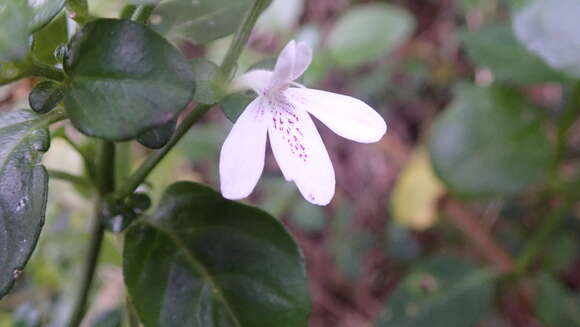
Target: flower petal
(300, 153)
(344, 115)
(242, 154)
(257, 80)
(284, 68)
(302, 60)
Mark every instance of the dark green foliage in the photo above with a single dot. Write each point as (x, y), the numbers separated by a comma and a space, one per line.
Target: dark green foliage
(23, 190)
(124, 79)
(204, 261)
(489, 143)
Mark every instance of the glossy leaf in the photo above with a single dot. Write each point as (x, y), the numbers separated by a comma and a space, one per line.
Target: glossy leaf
(45, 96)
(23, 190)
(440, 292)
(367, 32)
(44, 11)
(199, 21)
(488, 143)
(205, 261)
(157, 138)
(495, 47)
(14, 18)
(124, 79)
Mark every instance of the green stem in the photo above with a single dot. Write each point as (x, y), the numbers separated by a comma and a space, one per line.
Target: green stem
(131, 314)
(39, 69)
(13, 71)
(128, 11)
(64, 176)
(570, 115)
(154, 159)
(554, 219)
(106, 186)
(226, 69)
(54, 117)
(142, 13)
(241, 38)
(541, 237)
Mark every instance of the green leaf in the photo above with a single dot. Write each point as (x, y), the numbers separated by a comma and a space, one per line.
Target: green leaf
(14, 18)
(199, 21)
(489, 143)
(440, 292)
(124, 79)
(555, 305)
(49, 38)
(495, 47)
(368, 32)
(157, 138)
(43, 12)
(205, 261)
(23, 190)
(206, 79)
(45, 96)
(234, 104)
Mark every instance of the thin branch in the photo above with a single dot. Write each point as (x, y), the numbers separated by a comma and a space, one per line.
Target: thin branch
(478, 234)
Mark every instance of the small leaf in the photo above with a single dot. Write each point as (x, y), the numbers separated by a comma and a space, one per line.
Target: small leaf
(157, 138)
(199, 21)
(204, 261)
(415, 196)
(489, 143)
(124, 79)
(14, 18)
(495, 47)
(23, 190)
(206, 74)
(45, 96)
(43, 12)
(440, 292)
(367, 32)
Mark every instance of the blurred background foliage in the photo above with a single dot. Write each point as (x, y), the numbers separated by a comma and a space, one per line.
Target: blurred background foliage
(464, 214)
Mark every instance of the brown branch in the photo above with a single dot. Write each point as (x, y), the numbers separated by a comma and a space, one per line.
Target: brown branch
(477, 233)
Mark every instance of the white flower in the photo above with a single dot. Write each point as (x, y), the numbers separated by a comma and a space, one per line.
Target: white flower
(550, 29)
(281, 112)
